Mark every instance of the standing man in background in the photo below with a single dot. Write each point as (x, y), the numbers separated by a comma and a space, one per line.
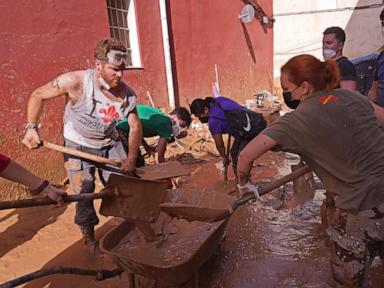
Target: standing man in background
(333, 44)
(376, 94)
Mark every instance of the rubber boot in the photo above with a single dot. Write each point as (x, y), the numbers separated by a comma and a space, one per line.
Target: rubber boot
(88, 233)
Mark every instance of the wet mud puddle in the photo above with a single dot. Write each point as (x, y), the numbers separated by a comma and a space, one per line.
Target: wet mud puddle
(278, 242)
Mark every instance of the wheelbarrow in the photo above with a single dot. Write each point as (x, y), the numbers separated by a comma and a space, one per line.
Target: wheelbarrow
(177, 258)
(174, 263)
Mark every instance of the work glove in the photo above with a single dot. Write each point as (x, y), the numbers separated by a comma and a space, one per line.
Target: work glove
(250, 187)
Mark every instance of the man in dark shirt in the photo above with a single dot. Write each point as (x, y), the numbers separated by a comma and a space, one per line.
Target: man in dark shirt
(376, 94)
(333, 43)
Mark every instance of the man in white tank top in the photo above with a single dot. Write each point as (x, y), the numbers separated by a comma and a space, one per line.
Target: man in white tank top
(96, 99)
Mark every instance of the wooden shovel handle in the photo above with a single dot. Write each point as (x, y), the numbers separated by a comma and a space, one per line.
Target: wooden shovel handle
(80, 154)
(139, 172)
(283, 180)
(46, 201)
(264, 190)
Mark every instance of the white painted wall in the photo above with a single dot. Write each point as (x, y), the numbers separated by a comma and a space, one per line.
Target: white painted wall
(300, 24)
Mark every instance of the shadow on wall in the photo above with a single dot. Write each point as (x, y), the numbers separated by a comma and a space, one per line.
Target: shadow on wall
(249, 43)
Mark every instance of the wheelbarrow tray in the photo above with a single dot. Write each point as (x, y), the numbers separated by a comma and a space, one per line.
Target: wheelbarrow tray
(172, 264)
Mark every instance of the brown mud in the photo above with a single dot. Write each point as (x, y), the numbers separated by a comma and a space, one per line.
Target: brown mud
(176, 244)
(274, 243)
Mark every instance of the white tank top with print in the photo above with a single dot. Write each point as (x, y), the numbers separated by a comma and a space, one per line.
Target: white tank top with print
(91, 121)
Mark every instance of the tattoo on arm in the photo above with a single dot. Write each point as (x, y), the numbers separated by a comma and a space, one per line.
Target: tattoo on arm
(55, 83)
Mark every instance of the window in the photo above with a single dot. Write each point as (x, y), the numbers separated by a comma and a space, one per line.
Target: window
(122, 25)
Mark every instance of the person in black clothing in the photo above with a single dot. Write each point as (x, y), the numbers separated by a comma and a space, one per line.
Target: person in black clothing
(376, 94)
(333, 43)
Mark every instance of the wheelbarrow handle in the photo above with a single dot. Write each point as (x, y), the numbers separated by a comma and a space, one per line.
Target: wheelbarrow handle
(47, 201)
(80, 154)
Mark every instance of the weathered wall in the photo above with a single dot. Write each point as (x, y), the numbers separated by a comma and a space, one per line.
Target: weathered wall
(208, 33)
(152, 77)
(42, 39)
(300, 24)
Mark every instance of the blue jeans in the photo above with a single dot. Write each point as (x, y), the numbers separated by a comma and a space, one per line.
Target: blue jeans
(81, 175)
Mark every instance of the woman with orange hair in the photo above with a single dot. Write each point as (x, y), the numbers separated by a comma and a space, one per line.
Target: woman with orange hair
(339, 134)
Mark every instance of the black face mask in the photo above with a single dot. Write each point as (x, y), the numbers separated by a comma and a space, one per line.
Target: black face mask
(204, 119)
(291, 103)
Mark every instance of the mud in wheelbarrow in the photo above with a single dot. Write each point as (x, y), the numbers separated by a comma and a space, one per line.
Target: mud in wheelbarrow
(170, 261)
(172, 264)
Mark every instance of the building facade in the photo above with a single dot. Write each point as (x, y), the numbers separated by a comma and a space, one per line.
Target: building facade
(178, 49)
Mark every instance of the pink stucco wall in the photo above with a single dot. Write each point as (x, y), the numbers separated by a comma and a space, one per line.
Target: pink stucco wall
(208, 33)
(42, 39)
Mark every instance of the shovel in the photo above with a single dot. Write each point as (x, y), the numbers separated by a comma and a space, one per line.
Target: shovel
(161, 171)
(127, 197)
(204, 214)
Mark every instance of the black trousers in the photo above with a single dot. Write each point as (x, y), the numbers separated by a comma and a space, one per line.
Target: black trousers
(236, 148)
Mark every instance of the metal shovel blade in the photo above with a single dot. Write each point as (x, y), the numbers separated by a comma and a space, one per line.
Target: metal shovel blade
(192, 213)
(132, 198)
(205, 214)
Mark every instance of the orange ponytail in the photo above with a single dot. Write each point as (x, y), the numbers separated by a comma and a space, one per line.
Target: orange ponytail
(321, 75)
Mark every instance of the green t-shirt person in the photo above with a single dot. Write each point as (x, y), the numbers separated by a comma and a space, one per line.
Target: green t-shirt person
(154, 122)
(157, 123)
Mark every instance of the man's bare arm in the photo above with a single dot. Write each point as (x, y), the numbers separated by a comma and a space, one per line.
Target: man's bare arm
(134, 140)
(68, 84)
(161, 148)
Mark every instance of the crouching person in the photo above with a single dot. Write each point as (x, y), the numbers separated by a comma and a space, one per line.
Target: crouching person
(225, 116)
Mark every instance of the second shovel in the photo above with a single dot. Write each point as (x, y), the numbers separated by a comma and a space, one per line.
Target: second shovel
(205, 214)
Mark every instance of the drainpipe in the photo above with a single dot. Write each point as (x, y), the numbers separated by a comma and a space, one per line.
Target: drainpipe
(167, 53)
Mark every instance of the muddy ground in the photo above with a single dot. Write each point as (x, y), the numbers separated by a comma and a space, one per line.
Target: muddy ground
(274, 243)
